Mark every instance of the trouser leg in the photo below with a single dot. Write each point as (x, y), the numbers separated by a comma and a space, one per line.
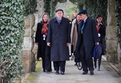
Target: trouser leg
(90, 63)
(99, 61)
(47, 59)
(95, 62)
(83, 57)
(56, 64)
(62, 66)
(43, 44)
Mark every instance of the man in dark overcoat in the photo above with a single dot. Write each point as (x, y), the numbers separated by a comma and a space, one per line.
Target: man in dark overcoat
(58, 39)
(87, 39)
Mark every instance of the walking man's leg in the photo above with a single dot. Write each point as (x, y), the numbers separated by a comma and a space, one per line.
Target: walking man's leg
(56, 64)
(90, 65)
(62, 66)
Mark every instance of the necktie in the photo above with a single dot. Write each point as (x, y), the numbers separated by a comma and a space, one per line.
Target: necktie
(82, 27)
(59, 20)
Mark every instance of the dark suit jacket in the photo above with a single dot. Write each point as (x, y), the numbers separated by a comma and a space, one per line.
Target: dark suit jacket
(59, 36)
(90, 37)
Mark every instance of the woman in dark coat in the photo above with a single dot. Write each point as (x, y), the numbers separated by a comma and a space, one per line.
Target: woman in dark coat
(101, 34)
(40, 39)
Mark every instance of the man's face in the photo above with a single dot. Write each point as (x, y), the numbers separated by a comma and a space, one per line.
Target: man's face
(59, 14)
(82, 16)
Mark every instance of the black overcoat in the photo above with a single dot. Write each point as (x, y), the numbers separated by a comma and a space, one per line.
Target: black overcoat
(39, 38)
(38, 32)
(59, 36)
(102, 31)
(90, 37)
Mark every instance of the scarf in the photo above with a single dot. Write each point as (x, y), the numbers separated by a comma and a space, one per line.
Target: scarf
(98, 27)
(44, 29)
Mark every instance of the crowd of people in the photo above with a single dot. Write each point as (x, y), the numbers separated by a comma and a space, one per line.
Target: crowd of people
(54, 37)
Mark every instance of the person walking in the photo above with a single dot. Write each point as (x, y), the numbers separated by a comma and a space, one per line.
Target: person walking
(87, 39)
(74, 35)
(101, 34)
(75, 15)
(40, 39)
(58, 39)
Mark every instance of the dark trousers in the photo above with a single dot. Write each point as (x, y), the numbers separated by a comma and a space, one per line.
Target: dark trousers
(45, 53)
(99, 60)
(60, 64)
(47, 59)
(39, 52)
(86, 62)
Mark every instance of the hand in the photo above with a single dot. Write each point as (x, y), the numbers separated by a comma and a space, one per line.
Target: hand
(97, 43)
(68, 44)
(36, 43)
(48, 43)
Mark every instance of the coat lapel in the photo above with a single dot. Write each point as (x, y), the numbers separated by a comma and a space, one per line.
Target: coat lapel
(86, 23)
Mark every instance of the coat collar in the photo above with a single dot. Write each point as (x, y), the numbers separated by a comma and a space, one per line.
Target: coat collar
(62, 20)
(86, 19)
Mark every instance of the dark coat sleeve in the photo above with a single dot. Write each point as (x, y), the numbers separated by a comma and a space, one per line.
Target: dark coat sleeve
(69, 31)
(78, 42)
(95, 33)
(37, 37)
(49, 34)
(103, 33)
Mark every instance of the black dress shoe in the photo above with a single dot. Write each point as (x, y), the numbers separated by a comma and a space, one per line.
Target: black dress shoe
(91, 73)
(95, 67)
(57, 72)
(48, 70)
(62, 73)
(85, 72)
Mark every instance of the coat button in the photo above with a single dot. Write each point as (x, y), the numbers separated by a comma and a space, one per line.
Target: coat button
(59, 36)
(59, 41)
(59, 30)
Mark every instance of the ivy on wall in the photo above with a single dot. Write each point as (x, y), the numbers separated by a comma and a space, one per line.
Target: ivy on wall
(95, 7)
(50, 5)
(118, 17)
(12, 13)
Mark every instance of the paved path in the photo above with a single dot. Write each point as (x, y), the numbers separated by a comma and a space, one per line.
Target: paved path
(73, 75)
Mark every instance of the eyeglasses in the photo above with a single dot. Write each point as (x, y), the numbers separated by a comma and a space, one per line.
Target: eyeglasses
(82, 14)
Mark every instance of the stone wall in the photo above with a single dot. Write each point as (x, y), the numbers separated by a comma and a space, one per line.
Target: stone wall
(29, 46)
(111, 39)
(119, 57)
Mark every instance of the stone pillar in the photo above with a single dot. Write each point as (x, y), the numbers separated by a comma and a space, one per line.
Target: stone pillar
(27, 54)
(111, 40)
(38, 18)
(119, 57)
